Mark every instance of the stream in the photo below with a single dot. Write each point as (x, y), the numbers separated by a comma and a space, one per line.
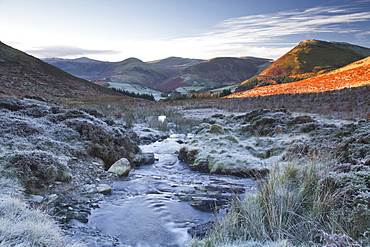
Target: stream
(157, 204)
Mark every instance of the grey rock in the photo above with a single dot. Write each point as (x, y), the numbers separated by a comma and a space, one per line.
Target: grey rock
(121, 167)
(143, 159)
(103, 188)
(35, 198)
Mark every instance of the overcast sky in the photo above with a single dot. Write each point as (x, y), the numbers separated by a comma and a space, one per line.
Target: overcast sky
(113, 30)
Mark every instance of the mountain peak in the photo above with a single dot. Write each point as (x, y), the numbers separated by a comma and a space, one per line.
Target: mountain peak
(132, 60)
(312, 57)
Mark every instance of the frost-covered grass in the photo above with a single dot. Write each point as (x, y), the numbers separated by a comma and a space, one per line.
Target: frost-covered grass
(47, 150)
(136, 111)
(244, 145)
(22, 226)
(302, 203)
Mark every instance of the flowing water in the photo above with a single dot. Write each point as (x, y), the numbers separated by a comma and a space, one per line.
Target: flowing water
(144, 209)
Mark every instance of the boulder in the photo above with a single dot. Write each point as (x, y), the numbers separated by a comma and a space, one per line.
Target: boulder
(121, 167)
(143, 159)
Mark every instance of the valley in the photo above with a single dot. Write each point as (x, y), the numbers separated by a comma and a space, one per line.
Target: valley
(283, 164)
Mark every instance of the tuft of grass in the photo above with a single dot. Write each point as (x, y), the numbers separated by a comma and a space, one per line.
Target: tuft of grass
(300, 204)
(22, 226)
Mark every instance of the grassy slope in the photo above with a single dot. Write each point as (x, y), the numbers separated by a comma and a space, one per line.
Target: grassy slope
(314, 56)
(308, 59)
(353, 75)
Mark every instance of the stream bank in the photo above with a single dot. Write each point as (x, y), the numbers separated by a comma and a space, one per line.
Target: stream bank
(157, 204)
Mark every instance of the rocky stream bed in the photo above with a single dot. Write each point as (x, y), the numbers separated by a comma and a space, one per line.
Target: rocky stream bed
(61, 160)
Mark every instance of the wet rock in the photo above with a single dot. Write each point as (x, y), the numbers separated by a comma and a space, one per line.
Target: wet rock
(35, 198)
(201, 231)
(144, 159)
(232, 188)
(210, 201)
(103, 188)
(204, 203)
(121, 167)
(188, 156)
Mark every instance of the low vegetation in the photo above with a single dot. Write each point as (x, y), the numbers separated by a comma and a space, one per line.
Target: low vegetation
(304, 202)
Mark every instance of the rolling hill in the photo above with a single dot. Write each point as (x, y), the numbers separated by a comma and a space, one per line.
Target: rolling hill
(308, 59)
(175, 63)
(215, 73)
(83, 67)
(313, 57)
(135, 71)
(22, 74)
(356, 74)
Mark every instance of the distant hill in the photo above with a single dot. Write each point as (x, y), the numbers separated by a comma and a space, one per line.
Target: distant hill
(83, 67)
(308, 59)
(135, 71)
(313, 57)
(215, 73)
(22, 74)
(353, 75)
(175, 63)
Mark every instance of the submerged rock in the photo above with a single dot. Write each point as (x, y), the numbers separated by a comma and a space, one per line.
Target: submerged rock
(121, 167)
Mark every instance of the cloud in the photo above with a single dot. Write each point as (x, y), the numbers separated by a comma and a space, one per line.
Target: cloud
(67, 51)
(259, 28)
(265, 32)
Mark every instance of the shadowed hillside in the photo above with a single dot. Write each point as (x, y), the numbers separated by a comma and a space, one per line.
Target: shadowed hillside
(22, 74)
(82, 67)
(215, 73)
(133, 70)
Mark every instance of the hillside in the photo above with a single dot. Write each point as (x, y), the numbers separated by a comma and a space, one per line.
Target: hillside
(215, 73)
(22, 74)
(175, 63)
(308, 59)
(135, 71)
(352, 75)
(83, 67)
(312, 57)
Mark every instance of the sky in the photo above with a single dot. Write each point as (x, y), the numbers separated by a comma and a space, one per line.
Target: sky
(113, 30)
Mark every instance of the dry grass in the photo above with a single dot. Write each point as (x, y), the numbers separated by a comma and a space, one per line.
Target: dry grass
(296, 206)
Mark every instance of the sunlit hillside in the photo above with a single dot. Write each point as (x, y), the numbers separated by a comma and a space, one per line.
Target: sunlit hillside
(356, 74)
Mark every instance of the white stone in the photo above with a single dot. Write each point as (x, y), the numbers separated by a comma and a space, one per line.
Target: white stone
(161, 118)
(103, 188)
(121, 167)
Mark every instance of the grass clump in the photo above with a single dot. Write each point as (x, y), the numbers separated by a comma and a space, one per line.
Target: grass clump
(306, 202)
(22, 226)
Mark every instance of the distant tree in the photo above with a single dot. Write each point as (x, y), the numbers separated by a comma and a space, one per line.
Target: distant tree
(135, 95)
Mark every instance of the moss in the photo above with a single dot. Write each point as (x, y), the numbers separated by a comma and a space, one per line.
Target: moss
(216, 129)
(232, 138)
